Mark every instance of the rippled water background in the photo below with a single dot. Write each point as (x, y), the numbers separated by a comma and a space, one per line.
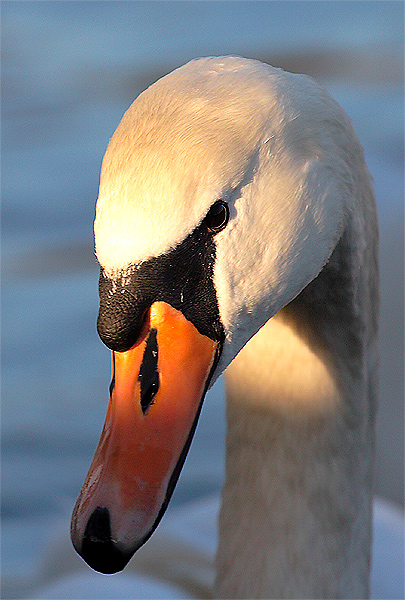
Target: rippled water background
(70, 70)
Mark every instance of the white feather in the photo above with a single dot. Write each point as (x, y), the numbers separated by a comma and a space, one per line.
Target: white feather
(300, 246)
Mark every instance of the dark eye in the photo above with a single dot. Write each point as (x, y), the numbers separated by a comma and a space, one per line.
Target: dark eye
(217, 216)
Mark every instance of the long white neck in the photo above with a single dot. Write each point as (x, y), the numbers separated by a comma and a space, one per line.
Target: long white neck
(296, 511)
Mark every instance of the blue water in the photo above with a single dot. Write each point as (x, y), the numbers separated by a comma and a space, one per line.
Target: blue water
(70, 69)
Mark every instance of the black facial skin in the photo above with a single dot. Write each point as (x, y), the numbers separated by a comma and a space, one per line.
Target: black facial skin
(182, 277)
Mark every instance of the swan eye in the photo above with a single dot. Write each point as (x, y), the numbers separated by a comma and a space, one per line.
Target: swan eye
(217, 217)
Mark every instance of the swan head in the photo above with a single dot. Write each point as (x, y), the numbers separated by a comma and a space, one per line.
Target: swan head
(223, 192)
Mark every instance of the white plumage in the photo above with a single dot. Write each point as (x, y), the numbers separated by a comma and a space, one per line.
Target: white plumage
(296, 282)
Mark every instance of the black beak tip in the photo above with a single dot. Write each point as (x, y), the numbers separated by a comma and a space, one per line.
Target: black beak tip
(98, 548)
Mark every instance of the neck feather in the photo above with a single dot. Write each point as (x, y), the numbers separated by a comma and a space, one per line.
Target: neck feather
(295, 519)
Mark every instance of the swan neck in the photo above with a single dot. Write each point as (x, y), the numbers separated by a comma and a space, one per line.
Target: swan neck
(296, 507)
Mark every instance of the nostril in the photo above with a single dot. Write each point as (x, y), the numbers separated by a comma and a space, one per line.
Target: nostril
(149, 373)
(148, 395)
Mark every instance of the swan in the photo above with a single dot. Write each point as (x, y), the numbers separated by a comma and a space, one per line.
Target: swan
(236, 232)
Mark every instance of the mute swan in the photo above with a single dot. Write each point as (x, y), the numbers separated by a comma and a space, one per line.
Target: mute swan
(236, 229)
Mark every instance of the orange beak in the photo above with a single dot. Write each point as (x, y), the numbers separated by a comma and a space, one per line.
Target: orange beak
(156, 395)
